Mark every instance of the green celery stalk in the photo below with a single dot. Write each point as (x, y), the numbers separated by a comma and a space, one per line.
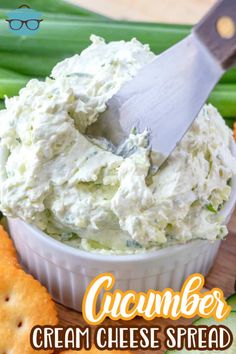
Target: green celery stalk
(74, 37)
(11, 87)
(30, 65)
(224, 99)
(11, 83)
(74, 25)
(230, 76)
(36, 55)
(18, 58)
(68, 38)
(55, 16)
(10, 74)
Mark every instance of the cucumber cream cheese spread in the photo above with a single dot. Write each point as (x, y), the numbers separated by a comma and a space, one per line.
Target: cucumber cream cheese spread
(89, 194)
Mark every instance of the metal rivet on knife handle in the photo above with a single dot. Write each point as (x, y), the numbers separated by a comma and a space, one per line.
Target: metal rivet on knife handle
(217, 31)
(226, 27)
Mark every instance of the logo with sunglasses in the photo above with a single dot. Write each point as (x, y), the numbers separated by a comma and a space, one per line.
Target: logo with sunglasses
(24, 21)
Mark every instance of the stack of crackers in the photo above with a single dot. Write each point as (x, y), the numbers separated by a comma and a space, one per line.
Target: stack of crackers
(24, 303)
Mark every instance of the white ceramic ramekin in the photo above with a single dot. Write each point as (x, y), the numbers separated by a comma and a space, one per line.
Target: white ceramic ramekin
(67, 272)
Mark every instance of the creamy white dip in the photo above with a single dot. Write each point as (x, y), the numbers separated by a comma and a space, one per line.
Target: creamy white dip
(88, 194)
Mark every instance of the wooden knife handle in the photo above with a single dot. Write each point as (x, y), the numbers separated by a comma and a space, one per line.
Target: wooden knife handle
(217, 31)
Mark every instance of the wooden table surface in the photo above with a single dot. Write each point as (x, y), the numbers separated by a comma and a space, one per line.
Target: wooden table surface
(223, 274)
(178, 11)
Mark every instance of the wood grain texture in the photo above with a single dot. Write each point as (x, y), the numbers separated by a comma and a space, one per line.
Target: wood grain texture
(218, 33)
(172, 11)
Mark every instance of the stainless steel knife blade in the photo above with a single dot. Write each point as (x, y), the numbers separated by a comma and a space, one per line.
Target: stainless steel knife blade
(166, 95)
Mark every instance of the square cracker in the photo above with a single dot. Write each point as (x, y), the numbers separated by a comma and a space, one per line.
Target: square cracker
(24, 303)
(8, 253)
